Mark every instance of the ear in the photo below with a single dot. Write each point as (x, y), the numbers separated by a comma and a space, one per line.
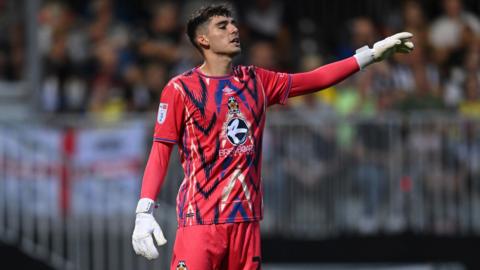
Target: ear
(203, 41)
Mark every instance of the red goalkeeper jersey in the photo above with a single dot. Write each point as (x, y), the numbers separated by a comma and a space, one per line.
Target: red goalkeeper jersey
(218, 124)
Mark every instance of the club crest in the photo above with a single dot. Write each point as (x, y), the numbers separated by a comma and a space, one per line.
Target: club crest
(233, 106)
(182, 266)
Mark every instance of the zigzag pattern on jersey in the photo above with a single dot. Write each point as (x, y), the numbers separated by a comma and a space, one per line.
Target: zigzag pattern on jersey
(219, 94)
(252, 91)
(254, 94)
(217, 213)
(207, 165)
(257, 118)
(249, 159)
(198, 216)
(237, 208)
(186, 152)
(255, 187)
(257, 155)
(183, 198)
(207, 191)
(200, 104)
(206, 130)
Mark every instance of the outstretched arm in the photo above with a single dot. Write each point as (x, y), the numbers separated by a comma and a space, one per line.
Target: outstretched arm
(328, 75)
(322, 77)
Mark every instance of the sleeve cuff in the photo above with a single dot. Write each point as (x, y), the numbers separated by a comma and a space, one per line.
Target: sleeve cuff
(158, 139)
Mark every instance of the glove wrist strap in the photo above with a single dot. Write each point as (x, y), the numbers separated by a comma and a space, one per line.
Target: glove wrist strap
(364, 56)
(145, 205)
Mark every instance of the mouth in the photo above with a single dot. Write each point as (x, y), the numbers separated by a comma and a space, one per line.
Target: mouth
(236, 41)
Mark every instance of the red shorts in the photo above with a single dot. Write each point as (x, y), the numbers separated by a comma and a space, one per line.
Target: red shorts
(232, 246)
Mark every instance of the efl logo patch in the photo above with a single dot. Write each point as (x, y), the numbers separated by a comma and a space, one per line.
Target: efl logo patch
(162, 113)
(181, 265)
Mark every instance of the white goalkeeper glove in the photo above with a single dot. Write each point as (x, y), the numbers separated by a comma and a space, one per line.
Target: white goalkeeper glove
(384, 48)
(145, 226)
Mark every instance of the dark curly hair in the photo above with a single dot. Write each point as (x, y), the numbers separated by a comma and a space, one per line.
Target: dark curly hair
(202, 16)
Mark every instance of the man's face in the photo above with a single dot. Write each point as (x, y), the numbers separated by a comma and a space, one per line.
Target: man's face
(221, 36)
(453, 8)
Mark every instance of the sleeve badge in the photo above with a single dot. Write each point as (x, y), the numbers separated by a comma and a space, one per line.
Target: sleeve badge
(162, 113)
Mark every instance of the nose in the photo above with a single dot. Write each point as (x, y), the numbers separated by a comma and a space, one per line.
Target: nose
(233, 29)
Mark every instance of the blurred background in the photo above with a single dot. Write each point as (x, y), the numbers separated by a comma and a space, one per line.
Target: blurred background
(381, 171)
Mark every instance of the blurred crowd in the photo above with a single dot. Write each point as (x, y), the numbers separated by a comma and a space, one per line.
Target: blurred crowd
(116, 56)
(442, 73)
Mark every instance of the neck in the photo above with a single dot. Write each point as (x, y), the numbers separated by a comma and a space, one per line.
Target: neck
(216, 65)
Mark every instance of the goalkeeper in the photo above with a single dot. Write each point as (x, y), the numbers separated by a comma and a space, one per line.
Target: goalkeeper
(216, 114)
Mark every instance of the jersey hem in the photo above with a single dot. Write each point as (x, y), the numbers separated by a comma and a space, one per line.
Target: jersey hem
(184, 223)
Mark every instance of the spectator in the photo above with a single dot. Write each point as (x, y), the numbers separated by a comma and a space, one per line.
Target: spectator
(424, 77)
(415, 74)
(361, 32)
(57, 71)
(378, 77)
(155, 79)
(12, 42)
(12, 55)
(470, 107)
(261, 54)
(136, 94)
(453, 33)
(105, 25)
(163, 36)
(265, 20)
(106, 86)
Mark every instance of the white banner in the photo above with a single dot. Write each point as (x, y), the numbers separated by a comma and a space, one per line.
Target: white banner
(108, 166)
(30, 162)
